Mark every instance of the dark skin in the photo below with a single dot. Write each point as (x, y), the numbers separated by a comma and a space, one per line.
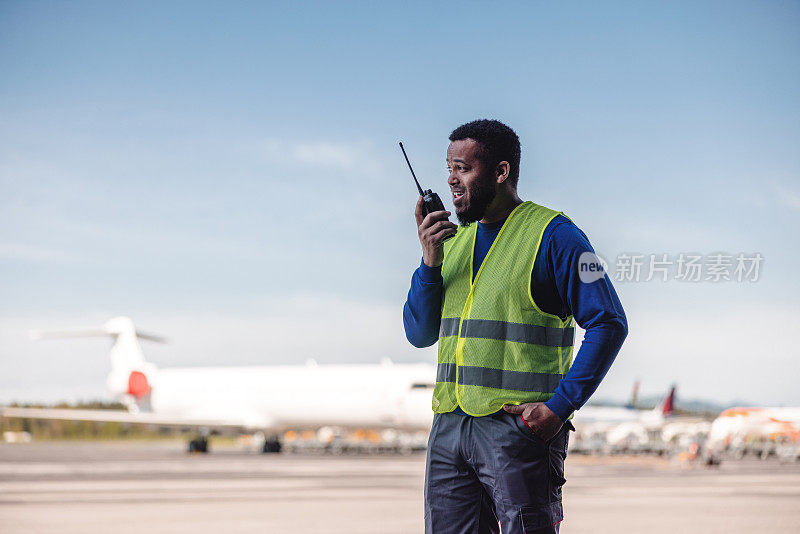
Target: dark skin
(466, 170)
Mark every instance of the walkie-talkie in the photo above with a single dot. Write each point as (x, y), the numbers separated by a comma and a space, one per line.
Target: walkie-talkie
(430, 200)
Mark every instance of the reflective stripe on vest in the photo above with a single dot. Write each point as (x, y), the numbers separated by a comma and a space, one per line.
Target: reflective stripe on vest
(495, 346)
(521, 333)
(498, 378)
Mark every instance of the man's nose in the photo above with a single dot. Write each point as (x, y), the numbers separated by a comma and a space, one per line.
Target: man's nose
(452, 179)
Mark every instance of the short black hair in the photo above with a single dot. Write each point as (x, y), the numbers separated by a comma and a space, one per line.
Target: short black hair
(498, 143)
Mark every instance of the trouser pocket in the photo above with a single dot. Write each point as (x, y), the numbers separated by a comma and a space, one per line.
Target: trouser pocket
(525, 430)
(557, 455)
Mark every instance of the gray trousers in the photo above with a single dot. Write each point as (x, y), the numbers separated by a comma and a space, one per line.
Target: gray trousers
(484, 474)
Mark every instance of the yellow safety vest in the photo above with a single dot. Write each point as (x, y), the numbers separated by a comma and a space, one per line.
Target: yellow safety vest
(496, 346)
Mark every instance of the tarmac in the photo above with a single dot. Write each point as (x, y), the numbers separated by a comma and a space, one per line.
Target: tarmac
(125, 487)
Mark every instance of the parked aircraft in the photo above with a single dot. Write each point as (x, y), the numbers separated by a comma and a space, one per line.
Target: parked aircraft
(631, 412)
(758, 430)
(624, 429)
(266, 399)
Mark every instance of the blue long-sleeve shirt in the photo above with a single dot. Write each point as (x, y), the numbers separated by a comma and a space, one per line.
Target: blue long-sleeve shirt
(557, 289)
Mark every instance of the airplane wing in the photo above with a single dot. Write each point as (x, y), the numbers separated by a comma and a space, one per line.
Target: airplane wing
(147, 418)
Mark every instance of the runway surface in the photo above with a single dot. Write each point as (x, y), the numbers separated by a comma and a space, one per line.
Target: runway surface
(126, 488)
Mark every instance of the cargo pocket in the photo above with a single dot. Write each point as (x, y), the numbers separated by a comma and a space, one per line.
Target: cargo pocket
(557, 479)
(558, 454)
(531, 518)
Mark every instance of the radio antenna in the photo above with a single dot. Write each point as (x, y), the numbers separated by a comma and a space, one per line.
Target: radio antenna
(412, 170)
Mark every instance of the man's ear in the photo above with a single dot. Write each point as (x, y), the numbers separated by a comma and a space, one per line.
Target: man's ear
(502, 171)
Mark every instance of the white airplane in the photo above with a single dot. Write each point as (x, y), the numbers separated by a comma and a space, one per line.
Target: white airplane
(630, 413)
(762, 430)
(268, 399)
(601, 428)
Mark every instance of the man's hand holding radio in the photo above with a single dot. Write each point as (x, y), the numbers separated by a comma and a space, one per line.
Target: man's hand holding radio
(432, 230)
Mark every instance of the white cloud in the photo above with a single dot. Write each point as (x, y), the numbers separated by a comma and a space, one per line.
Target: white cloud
(715, 352)
(350, 157)
(787, 197)
(32, 253)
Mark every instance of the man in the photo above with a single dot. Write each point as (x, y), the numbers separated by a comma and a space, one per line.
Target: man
(500, 298)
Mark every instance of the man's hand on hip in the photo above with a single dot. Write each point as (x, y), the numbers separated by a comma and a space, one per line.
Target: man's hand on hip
(539, 418)
(432, 229)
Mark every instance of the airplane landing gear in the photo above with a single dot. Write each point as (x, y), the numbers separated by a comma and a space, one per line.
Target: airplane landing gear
(271, 445)
(198, 444)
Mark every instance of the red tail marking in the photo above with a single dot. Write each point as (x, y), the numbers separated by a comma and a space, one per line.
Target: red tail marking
(669, 403)
(137, 384)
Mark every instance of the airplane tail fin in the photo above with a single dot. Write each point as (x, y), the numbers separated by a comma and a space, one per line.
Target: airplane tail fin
(634, 401)
(129, 370)
(667, 406)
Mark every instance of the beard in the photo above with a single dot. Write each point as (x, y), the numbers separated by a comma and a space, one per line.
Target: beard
(478, 199)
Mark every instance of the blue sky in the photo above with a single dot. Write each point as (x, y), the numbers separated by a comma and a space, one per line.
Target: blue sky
(228, 175)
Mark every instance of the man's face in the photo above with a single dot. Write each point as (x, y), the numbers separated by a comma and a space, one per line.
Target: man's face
(473, 185)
